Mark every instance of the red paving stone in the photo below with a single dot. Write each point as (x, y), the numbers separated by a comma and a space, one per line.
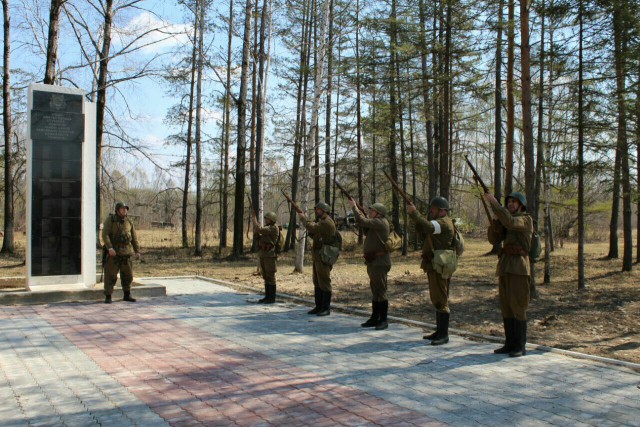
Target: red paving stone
(190, 377)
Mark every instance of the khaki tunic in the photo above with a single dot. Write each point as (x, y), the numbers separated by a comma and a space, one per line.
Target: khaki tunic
(376, 257)
(119, 234)
(438, 286)
(320, 231)
(514, 231)
(267, 239)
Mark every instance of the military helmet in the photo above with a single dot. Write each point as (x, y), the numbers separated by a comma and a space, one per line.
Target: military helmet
(324, 206)
(379, 207)
(272, 216)
(121, 204)
(519, 197)
(440, 203)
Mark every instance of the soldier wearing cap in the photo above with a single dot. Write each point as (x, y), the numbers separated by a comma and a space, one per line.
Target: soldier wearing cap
(323, 230)
(267, 241)
(377, 260)
(514, 228)
(439, 232)
(119, 239)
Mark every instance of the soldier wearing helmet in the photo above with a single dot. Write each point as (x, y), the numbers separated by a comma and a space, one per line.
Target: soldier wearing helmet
(377, 259)
(438, 229)
(514, 228)
(119, 239)
(322, 231)
(267, 242)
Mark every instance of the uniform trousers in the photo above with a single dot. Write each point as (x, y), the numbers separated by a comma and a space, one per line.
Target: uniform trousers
(438, 291)
(378, 281)
(114, 264)
(513, 293)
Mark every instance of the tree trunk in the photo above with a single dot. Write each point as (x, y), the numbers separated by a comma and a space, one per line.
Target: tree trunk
(358, 119)
(327, 120)
(511, 108)
(224, 210)
(445, 143)
(198, 137)
(52, 38)
(238, 241)
(393, 113)
(581, 282)
(497, 152)
(7, 240)
(426, 100)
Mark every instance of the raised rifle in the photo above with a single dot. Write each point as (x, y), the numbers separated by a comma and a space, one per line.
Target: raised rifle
(398, 189)
(292, 203)
(348, 196)
(476, 175)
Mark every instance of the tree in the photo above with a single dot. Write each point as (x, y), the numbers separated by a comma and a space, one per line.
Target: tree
(7, 241)
(52, 41)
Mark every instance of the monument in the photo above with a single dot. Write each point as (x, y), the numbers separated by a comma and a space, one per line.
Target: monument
(61, 189)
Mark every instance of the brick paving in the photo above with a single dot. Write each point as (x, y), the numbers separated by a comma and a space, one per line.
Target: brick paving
(205, 357)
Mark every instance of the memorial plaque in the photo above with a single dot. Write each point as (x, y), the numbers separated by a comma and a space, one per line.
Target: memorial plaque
(57, 134)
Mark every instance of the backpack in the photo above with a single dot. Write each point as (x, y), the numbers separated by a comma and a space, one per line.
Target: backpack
(393, 242)
(535, 249)
(331, 250)
(458, 241)
(279, 246)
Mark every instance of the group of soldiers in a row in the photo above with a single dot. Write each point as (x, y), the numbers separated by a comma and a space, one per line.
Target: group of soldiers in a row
(511, 226)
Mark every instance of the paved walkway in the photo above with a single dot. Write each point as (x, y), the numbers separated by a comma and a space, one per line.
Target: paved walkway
(203, 356)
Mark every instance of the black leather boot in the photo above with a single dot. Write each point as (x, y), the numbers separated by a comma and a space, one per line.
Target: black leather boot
(128, 297)
(443, 336)
(107, 299)
(434, 335)
(271, 294)
(375, 316)
(326, 304)
(266, 294)
(508, 336)
(384, 309)
(520, 339)
(318, 299)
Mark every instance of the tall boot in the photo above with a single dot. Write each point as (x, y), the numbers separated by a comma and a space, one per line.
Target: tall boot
(107, 299)
(128, 297)
(318, 299)
(520, 339)
(326, 304)
(508, 336)
(266, 294)
(443, 335)
(434, 335)
(270, 297)
(375, 316)
(384, 309)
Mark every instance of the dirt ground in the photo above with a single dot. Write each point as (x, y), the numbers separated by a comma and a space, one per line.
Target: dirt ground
(604, 320)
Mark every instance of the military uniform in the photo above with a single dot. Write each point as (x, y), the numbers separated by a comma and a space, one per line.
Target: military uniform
(267, 241)
(321, 231)
(119, 234)
(439, 235)
(513, 271)
(378, 263)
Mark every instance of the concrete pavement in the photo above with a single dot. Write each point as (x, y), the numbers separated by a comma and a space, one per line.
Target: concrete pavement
(204, 356)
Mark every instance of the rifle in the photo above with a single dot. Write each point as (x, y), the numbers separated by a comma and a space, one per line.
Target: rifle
(358, 205)
(105, 254)
(484, 203)
(399, 190)
(292, 203)
(476, 175)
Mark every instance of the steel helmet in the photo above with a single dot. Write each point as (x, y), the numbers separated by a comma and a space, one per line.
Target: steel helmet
(519, 197)
(324, 206)
(379, 207)
(440, 203)
(121, 204)
(272, 216)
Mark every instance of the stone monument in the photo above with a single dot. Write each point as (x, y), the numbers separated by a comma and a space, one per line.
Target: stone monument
(61, 189)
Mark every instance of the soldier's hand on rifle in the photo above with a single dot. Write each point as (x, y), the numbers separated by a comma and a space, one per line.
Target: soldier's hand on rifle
(112, 252)
(490, 198)
(411, 208)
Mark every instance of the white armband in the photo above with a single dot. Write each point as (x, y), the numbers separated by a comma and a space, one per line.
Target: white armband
(436, 227)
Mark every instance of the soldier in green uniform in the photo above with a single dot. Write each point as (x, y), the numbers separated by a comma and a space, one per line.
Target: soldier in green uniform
(119, 239)
(377, 259)
(267, 241)
(439, 232)
(513, 227)
(322, 231)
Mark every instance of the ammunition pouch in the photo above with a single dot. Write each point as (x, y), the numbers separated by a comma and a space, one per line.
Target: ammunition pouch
(444, 262)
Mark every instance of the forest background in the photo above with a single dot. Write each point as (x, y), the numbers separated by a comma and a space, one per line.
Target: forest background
(269, 96)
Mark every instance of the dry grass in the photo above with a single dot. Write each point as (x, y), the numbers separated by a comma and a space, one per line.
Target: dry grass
(603, 320)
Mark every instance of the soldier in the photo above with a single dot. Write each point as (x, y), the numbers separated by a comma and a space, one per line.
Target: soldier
(513, 227)
(377, 260)
(439, 233)
(323, 231)
(267, 241)
(119, 239)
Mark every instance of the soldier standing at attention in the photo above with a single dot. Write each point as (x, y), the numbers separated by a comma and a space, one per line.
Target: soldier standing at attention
(119, 239)
(514, 228)
(323, 231)
(377, 260)
(439, 233)
(267, 240)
